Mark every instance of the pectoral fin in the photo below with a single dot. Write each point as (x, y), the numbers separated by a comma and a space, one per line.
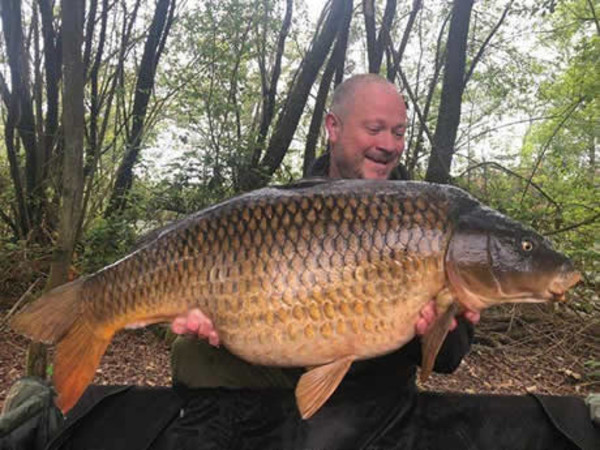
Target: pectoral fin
(433, 339)
(317, 385)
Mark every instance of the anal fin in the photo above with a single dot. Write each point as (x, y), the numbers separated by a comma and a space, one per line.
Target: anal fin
(433, 339)
(317, 385)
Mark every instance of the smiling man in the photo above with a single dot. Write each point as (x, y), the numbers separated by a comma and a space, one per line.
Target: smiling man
(366, 126)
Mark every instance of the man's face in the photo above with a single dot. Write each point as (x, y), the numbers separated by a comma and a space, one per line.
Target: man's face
(367, 137)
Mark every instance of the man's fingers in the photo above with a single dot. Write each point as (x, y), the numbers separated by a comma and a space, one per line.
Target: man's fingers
(453, 325)
(179, 325)
(196, 323)
(421, 326)
(213, 339)
(193, 321)
(473, 317)
(428, 312)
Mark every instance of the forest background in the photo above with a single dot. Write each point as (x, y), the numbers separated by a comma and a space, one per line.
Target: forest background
(121, 116)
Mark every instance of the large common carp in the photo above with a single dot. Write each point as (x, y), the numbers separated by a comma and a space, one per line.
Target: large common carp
(316, 274)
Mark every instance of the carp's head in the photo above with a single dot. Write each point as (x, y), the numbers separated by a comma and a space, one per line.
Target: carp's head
(492, 259)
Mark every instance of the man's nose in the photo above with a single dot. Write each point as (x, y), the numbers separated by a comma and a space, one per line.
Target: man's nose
(389, 143)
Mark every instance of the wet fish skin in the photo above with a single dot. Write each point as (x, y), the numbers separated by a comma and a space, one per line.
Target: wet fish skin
(317, 274)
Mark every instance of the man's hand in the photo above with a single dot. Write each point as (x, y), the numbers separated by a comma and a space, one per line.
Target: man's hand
(428, 315)
(196, 323)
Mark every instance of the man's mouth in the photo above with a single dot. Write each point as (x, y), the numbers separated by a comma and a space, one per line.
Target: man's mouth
(380, 158)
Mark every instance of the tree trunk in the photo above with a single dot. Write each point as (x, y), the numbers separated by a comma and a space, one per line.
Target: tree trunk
(376, 44)
(72, 171)
(335, 60)
(163, 16)
(414, 154)
(594, 144)
(270, 90)
(386, 25)
(20, 115)
(52, 61)
(438, 170)
(290, 116)
(369, 15)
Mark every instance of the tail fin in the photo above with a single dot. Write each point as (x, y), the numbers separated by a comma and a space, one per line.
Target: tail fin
(76, 358)
(49, 318)
(56, 318)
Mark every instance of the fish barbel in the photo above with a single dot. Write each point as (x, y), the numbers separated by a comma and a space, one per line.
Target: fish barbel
(316, 274)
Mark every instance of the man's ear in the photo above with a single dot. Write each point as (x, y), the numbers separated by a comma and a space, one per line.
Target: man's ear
(333, 126)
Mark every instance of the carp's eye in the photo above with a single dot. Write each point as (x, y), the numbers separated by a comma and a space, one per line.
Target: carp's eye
(526, 245)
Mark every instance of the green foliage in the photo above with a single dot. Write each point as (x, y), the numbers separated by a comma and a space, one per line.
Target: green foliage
(105, 242)
(219, 88)
(541, 66)
(21, 264)
(559, 153)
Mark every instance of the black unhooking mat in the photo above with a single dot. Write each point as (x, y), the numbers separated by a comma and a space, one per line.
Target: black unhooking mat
(133, 418)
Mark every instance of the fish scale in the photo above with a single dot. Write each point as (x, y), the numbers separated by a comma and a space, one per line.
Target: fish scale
(333, 245)
(316, 274)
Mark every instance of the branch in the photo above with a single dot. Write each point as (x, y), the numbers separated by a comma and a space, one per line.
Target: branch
(575, 225)
(486, 42)
(388, 17)
(504, 125)
(510, 172)
(547, 145)
(270, 91)
(9, 222)
(4, 91)
(407, 86)
(595, 16)
(417, 4)
(89, 33)
(234, 79)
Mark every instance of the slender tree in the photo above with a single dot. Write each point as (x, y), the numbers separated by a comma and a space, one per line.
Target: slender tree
(456, 76)
(269, 88)
(296, 99)
(155, 42)
(333, 66)
(72, 161)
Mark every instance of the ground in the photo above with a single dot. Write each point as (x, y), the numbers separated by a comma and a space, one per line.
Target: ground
(529, 348)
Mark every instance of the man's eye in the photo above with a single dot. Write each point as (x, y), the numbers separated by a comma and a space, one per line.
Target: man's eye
(373, 130)
(399, 134)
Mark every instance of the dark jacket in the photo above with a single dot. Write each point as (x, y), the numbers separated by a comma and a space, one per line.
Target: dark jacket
(403, 362)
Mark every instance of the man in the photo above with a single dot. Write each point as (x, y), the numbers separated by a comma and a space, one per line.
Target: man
(366, 127)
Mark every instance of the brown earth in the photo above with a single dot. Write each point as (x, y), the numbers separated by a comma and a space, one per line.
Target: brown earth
(527, 348)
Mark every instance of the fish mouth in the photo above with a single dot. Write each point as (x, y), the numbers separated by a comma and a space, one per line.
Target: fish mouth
(554, 293)
(559, 287)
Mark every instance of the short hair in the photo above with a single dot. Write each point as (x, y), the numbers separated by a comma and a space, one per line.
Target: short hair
(345, 91)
